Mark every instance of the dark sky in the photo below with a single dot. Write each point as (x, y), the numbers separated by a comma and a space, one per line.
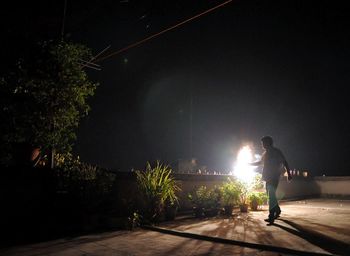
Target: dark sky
(254, 67)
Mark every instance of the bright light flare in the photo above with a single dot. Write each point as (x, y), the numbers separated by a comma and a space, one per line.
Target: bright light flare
(242, 169)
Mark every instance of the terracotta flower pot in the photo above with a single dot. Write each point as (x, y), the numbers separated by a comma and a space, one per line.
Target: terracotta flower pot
(211, 212)
(35, 154)
(243, 207)
(170, 212)
(198, 212)
(228, 210)
(254, 206)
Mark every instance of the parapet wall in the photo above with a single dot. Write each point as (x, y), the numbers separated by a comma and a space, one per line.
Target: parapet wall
(299, 187)
(333, 186)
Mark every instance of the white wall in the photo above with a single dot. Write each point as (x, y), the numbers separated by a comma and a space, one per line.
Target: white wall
(298, 187)
(333, 185)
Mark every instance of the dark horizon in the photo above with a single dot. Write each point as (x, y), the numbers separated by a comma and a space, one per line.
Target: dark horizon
(255, 68)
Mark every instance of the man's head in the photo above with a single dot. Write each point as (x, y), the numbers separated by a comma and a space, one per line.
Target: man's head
(266, 142)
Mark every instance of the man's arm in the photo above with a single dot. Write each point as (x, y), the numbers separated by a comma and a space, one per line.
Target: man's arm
(257, 163)
(286, 166)
(260, 162)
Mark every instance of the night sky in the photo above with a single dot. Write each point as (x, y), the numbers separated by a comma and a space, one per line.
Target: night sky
(255, 68)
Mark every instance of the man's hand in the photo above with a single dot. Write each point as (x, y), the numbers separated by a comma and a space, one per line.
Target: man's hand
(258, 163)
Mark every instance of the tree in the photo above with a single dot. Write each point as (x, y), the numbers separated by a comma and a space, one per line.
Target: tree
(45, 97)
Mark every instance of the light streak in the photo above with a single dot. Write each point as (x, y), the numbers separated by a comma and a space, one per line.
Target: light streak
(161, 32)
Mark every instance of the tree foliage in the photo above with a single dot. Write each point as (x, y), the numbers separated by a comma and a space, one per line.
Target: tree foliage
(45, 97)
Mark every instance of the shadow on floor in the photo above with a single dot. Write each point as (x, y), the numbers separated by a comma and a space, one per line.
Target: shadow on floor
(325, 242)
(242, 244)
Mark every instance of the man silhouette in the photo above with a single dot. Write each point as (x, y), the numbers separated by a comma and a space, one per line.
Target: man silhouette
(274, 163)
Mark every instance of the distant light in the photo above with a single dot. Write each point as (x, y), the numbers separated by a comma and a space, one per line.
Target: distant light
(242, 169)
(126, 60)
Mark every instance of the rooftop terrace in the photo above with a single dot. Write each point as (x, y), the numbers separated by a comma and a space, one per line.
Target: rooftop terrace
(306, 227)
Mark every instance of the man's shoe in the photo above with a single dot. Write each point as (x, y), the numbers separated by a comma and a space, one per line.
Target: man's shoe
(278, 214)
(269, 220)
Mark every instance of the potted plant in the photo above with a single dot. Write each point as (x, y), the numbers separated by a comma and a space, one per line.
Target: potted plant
(229, 196)
(170, 209)
(205, 201)
(256, 199)
(243, 196)
(157, 186)
(197, 199)
(213, 202)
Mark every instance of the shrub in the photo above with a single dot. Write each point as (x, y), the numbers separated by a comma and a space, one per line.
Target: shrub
(257, 182)
(87, 185)
(243, 189)
(205, 201)
(257, 199)
(230, 193)
(157, 186)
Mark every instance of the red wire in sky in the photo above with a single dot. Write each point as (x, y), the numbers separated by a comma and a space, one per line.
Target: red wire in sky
(161, 32)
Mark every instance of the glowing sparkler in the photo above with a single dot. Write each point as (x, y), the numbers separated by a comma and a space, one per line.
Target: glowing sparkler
(242, 168)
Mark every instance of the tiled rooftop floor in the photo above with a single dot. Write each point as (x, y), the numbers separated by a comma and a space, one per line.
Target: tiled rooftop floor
(318, 225)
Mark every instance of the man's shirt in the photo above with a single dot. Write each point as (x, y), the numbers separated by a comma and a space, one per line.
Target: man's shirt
(273, 163)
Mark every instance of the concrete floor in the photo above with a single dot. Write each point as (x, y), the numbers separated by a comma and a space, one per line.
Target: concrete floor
(316, 225)
(320, 226)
